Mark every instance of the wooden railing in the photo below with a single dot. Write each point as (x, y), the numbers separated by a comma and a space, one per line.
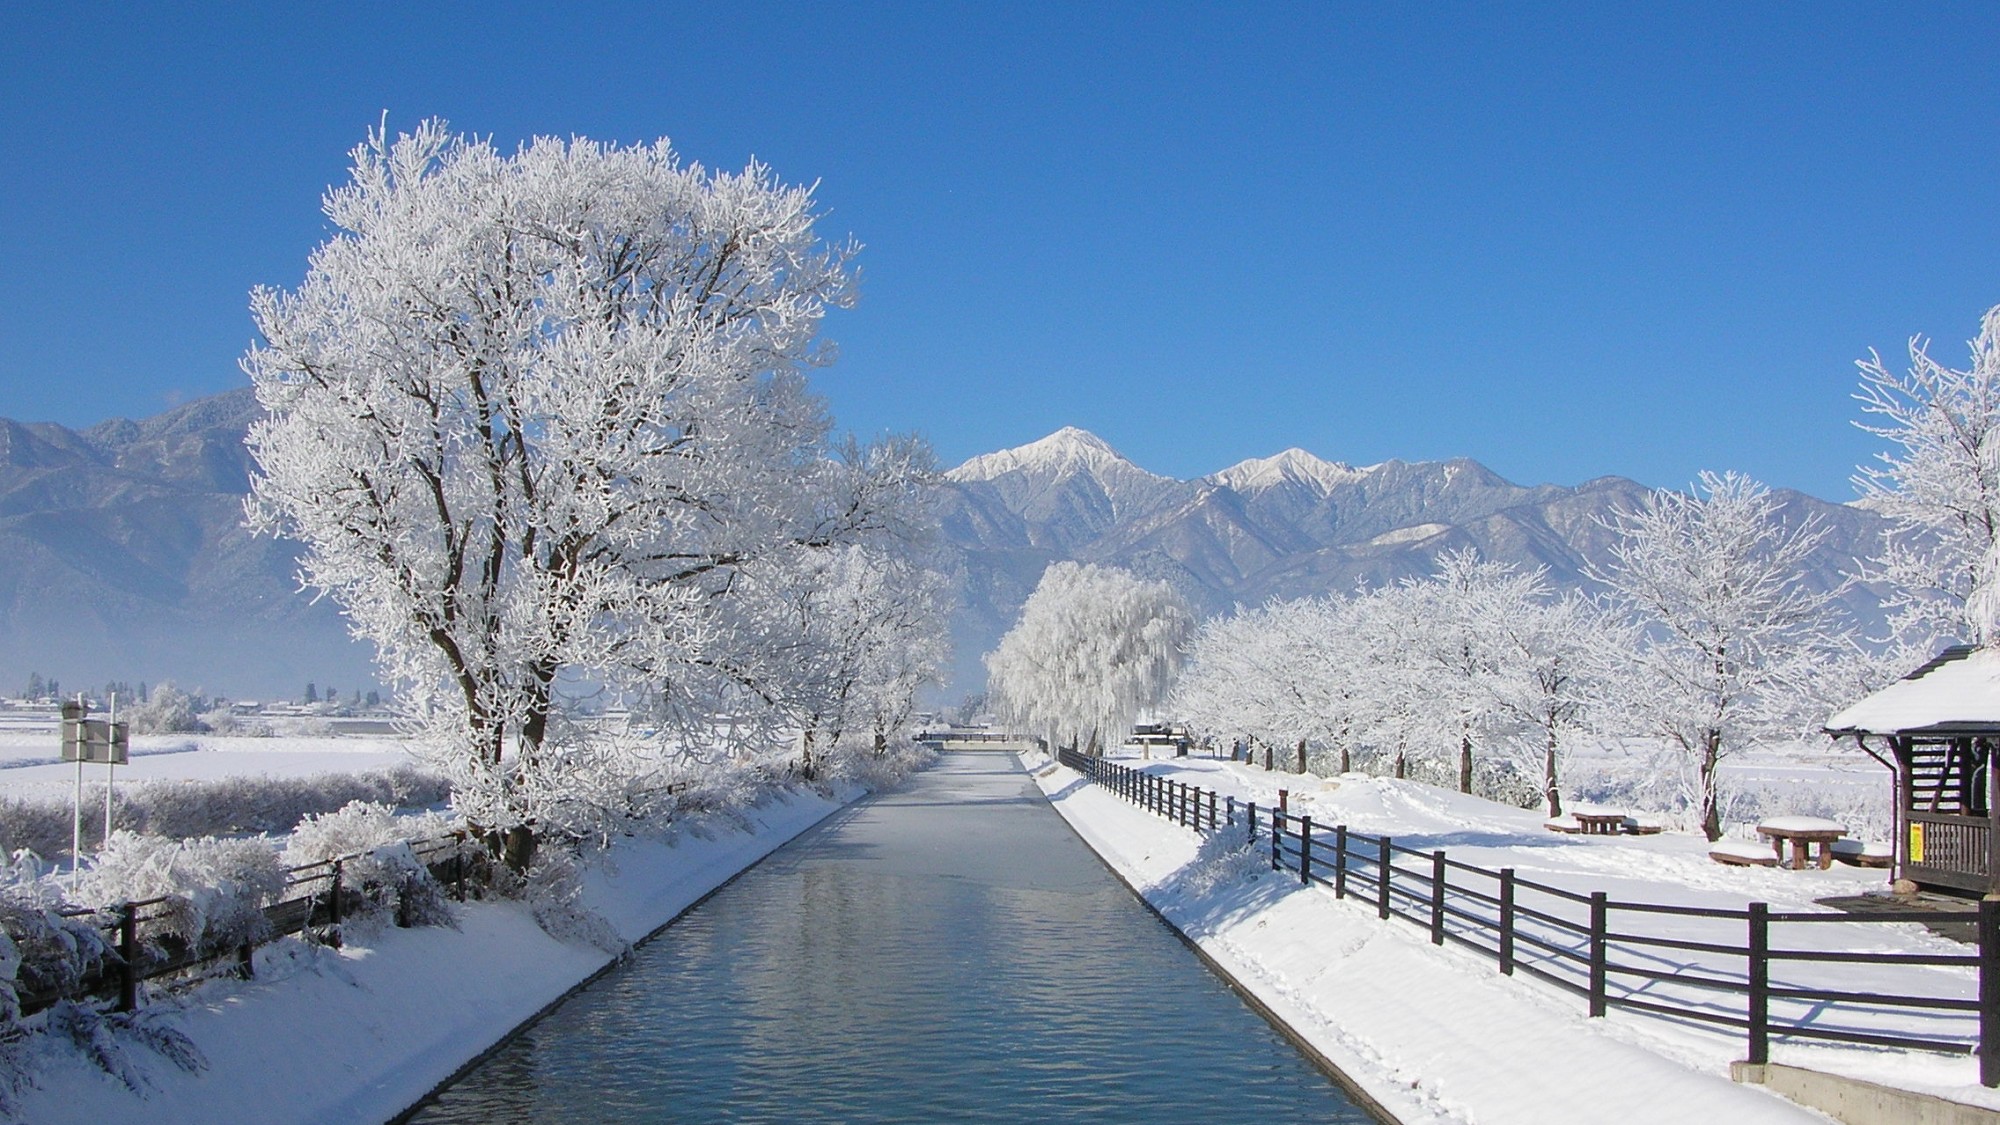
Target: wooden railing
(1657, 958)
(316, 894)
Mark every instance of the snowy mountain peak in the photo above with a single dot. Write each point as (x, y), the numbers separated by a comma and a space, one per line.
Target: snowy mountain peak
(1063, 453)
(1294, 466)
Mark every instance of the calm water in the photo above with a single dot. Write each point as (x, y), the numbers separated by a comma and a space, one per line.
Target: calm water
(947, 953)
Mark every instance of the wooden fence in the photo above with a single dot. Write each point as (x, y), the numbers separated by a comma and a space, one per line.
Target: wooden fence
(1662, 959)
(316, 894)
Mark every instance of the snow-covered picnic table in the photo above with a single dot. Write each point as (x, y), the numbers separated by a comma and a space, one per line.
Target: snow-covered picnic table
(1802, 832)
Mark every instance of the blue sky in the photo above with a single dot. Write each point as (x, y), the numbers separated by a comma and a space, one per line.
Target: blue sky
(1566, 241)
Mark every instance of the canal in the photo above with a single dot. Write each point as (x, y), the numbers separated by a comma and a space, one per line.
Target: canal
(947, 952)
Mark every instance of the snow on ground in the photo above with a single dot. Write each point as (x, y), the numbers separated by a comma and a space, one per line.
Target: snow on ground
(31, 766)
(359, 1034)
(1437, 1033)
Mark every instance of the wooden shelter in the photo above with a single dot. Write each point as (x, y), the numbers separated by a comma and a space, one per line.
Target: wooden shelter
(1940, 726)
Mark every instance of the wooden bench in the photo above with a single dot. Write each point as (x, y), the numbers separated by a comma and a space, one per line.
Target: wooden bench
(1741, 853)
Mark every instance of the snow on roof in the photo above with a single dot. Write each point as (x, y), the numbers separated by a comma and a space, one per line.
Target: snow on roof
(1959, 689)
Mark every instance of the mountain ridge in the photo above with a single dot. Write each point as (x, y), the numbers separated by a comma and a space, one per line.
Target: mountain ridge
(123, 553)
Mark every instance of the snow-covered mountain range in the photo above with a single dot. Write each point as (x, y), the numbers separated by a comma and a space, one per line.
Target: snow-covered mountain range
(122, 552)
(123, 556)
(1286, 526)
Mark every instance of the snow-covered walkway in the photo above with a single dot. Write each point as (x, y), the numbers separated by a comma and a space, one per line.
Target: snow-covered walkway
(1436, 1034)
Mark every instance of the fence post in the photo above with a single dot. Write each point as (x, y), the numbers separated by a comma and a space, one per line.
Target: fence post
(1305, 849)
(1229, 810)
(1437, 898)
(1760, 985)
(1277, 839)
(128, 951)
(1251, 819)
(1340, 861)
(1382, 881)
(1597, 929)
(1507, 921)
(333, 908)
(1989, 992)
(1213, 824)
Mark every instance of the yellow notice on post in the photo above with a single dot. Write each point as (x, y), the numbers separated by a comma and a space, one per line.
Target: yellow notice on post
(1916, 843)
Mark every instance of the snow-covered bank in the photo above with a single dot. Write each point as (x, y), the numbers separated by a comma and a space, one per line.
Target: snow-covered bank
(1433, 1035)
(359, 1034)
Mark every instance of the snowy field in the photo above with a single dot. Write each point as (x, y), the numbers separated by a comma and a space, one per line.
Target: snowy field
(31, 767)
(1440, 1033)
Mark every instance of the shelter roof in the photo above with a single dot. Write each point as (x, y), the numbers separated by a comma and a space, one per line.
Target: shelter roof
(1957, 692)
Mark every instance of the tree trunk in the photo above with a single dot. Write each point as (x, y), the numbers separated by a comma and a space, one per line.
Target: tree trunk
(1465, 762)
(1549, 779)
(1402, 767)
(1711, 806)
(1302, 755)
(1267, 756)
(1345, 764)
(881, 745)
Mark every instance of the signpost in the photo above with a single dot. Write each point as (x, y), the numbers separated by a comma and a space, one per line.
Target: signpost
(91, 740)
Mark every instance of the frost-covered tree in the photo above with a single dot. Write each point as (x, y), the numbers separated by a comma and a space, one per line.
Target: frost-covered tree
(538, 414)
(1454, 619)
(167, 710)
(1941, 486)
(868, 632)
(1551, 656)
(1092, 648)
(1715, 579)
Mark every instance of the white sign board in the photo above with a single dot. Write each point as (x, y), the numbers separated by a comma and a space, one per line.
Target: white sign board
(96, 740)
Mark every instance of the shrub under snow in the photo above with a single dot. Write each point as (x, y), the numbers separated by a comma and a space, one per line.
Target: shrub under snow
(215, 888)
(384, 873)
(218, 807)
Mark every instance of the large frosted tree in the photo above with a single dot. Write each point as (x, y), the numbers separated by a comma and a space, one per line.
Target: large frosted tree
(1092, 648)
(1731, 631)
(1941, 486)
(541, 414)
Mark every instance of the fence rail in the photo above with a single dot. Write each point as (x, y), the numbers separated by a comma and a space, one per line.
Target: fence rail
(1656, 958)
(316, 894)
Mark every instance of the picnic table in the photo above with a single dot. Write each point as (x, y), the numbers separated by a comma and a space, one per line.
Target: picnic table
(1802, 832)
(1600, 822)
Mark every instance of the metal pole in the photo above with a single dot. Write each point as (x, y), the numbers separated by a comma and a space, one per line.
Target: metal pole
(76, 802)
(110, 768)
(1507, 921)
